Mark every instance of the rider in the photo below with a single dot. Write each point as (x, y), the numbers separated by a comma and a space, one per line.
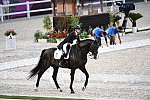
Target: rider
(69, 40)
(98, 33)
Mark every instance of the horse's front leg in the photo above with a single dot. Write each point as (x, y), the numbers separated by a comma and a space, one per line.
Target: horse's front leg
(54, 76)
(83, 69)
(72, 79)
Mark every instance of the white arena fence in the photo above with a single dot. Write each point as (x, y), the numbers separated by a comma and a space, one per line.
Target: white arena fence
(28, 11)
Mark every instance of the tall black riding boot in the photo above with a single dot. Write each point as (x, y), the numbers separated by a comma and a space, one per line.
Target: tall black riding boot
(62, 60)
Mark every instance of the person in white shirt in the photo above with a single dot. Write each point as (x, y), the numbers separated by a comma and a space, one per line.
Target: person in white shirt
(115, 10)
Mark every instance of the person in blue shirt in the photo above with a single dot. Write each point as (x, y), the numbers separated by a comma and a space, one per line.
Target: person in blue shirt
(112, 31)
(98, 33)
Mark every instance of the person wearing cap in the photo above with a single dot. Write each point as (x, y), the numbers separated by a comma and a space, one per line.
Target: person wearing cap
(111, 32)
(69, 40)
(98, 33)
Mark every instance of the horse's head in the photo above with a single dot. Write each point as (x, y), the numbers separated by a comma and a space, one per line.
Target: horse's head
(94, 49)
(90, 46)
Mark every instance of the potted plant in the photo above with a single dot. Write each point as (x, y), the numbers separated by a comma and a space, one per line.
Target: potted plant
(133, 18)
(10, 31)
(113, 18)
(40, 37)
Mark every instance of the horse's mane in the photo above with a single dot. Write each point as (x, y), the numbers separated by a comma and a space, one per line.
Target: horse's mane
(76, 51)
(85, 42)
(82, 44)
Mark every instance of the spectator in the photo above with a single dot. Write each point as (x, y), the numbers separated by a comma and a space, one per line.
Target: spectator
(112, 31)
(98, 33)
(90, 31)
(115, 11)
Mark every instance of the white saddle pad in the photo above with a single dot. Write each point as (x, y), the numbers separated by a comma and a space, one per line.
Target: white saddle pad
(58, 53)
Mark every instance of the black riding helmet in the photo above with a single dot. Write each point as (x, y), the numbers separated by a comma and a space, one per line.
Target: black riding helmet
(77, 27)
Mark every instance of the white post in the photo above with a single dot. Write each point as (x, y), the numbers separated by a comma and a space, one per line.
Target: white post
(28, 9)
(145, 1)
(1, 12)
(10, 42)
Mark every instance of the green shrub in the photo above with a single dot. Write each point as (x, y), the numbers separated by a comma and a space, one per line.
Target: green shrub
(134, 17)
(83, 36)
(47, 23)
(39, 35)
(52, 40)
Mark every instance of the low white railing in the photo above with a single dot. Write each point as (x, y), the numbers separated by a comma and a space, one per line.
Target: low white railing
(28, 11)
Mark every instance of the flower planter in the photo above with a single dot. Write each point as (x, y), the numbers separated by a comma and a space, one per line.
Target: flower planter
(10, 42)
(42, 40)
(134, 29)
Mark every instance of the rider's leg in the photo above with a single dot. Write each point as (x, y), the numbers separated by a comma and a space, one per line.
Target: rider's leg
(62, 57)
(67, 50)
(62, 60)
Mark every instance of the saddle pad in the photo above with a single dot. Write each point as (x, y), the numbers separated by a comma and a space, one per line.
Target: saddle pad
(58, 53)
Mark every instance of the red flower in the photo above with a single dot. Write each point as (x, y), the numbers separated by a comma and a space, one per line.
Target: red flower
(58, 35)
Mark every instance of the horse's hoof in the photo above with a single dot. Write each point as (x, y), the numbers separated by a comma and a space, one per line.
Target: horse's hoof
(72, 92)
(60, 89)
(36, 90)
(83, 88)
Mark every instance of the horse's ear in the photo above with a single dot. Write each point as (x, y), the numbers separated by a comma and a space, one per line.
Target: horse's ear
(95, 42)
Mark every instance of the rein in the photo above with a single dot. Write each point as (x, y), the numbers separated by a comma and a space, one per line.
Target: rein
(91, 56)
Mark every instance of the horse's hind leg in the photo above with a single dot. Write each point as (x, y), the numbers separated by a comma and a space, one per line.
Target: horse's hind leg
(83, 69)
(40, 73)
(54, 76)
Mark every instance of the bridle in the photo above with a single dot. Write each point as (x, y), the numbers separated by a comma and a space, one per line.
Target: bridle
(91, 54)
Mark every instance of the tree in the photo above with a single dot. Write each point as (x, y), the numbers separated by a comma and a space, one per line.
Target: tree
(47, 23)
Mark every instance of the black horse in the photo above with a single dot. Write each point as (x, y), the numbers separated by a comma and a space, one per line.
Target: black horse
(77, 59)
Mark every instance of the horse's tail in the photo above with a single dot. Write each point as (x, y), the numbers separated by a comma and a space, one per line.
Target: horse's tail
(35, 70)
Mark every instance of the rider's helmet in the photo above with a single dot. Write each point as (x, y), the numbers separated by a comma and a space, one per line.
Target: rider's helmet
(77, 27)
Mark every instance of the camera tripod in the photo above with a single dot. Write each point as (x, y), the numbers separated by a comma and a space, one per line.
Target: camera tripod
(124, 24)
